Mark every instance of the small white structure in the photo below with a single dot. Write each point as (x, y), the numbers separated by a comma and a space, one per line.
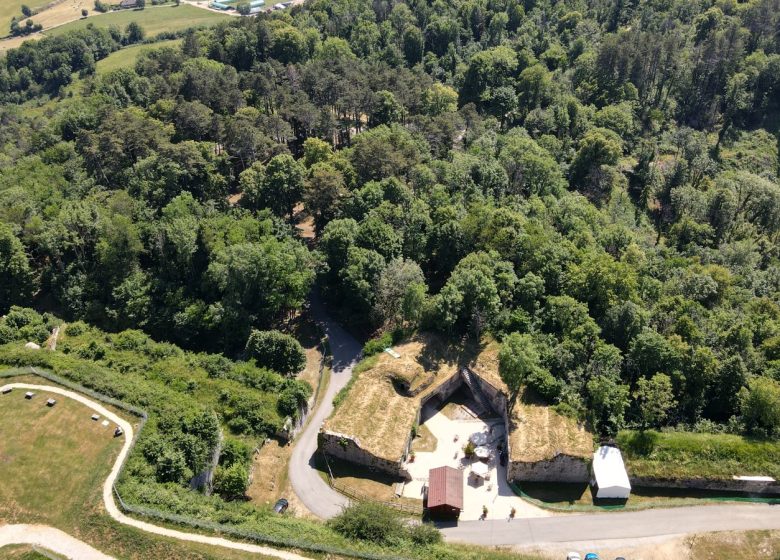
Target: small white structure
(610, 479)
(7, 390)
(96, 417)
(32, 346)
(482, 452)
(480, 470)
(51, 402)
(28, 395)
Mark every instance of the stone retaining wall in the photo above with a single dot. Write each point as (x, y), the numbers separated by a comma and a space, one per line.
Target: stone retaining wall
(561, 468)
(346, 448)
(723, 485)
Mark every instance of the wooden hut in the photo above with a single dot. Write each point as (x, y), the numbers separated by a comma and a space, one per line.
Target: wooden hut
(444, 498)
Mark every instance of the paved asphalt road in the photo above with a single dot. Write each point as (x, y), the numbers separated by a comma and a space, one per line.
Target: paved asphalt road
(615, 526)
(325, 502)
(314, 492)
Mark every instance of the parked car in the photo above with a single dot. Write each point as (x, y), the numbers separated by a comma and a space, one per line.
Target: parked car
(591, 556)
(573, 556)
(281, 506)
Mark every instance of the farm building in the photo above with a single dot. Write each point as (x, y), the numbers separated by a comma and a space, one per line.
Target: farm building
(218, 6)
(444, 496)
(610, 479)
(125, 4)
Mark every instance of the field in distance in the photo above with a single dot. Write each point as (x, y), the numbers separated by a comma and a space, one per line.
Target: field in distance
(154, 20)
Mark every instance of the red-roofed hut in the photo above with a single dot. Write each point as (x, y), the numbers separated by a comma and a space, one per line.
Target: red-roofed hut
(445, 492)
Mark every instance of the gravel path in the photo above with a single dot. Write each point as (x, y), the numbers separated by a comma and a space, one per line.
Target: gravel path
(108, 495)
(51, 539)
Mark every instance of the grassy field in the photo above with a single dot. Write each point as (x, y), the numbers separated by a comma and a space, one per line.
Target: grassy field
(691, 455)
(126, 57)
(750, 545)
(154, 20)
(53, 462)
(11, 8)
(43, 455)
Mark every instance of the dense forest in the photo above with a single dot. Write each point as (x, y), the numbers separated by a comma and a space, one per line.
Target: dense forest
(592, 182)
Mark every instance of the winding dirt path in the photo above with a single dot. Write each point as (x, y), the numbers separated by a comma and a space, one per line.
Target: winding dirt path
(50, 539)
(108, 496)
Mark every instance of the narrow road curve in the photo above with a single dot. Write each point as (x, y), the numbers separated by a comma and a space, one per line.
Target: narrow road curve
(51, 539)
(324, 502)
(313, 491)
(108, 485)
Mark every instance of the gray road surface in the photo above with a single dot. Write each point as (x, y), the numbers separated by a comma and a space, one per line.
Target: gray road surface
(314, 492)
(617, 526)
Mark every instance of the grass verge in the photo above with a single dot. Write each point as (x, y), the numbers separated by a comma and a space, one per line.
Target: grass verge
(679, 455)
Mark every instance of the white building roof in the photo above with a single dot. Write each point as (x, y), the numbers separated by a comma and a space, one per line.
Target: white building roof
(608, 468)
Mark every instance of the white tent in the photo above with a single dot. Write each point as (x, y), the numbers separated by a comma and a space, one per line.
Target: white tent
(610, 478)
(480, 469)
(482, 452)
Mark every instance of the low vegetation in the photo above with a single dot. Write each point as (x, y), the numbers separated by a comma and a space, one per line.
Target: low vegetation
(680, 455)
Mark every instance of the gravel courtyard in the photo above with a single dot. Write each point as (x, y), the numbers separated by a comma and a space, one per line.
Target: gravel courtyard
(452, 435)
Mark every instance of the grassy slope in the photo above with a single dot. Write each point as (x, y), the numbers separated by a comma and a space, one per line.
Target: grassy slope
(44, 453)
(681, 454)
(60, 456)
(154, 20)
(11, 8)
(126, 57)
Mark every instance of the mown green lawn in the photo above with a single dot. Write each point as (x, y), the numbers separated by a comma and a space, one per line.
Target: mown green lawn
(125, 58)
(11, 8)
(693, 455)
(154, 20)
(53, 462)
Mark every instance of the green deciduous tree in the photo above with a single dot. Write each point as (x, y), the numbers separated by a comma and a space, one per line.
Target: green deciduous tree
(231, 482)
(760, 406)
(16, 276)
(518, 360)
(277, 351)
(655, 398)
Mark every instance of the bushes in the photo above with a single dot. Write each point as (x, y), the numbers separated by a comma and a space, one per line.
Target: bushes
(377, 345)
(276, 350)
(424, 534)
(378, 524)
(234, 451)
(370, 522)
(231, 482)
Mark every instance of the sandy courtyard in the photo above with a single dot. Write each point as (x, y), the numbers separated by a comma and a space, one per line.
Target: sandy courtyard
(493, 493)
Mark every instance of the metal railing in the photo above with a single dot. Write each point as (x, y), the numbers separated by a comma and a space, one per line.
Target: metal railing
(357, 495)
